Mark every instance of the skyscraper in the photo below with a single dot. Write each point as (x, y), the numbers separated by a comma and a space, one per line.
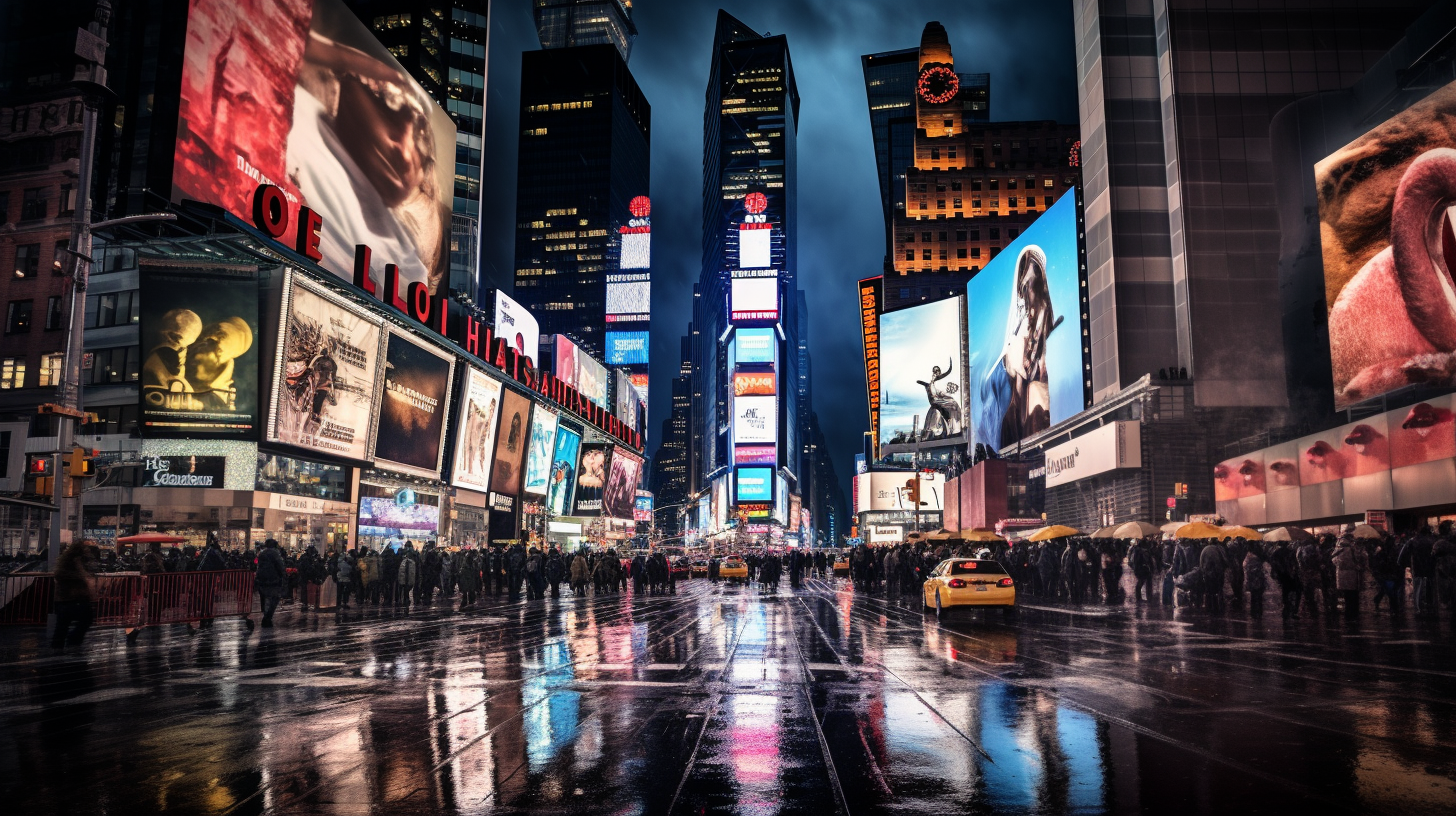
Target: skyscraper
(443, 46)
(669, 482)
(568, 23)
(584, 158)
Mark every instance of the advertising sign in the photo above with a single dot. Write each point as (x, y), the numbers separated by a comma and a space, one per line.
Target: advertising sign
(754, 345)
(563, 471)
(755, 484)
(325, 385)
(591, 378)
(750, 383)
(629, 294)
(755, 454)
(1382, 203)
(796, 509)
(565, 354)
(887, 490)
(1025, 335)
(622, 477)
(302, 96)
(642, 509)
(511, 441)
(755, 245)
(626, 348)
(405, 514)
(412, 411)
(198, 327)
(518, 327)
(627, 399)
(886, 534)
(538, 458)
(755, 299)
(755, 419)
(475, 431)
(1113, 446)
(869, 318)
(183, 471)
(922, 385)
(591, 479)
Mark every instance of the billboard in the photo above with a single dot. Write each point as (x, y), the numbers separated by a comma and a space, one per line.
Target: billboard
(591, 378)
(302, 96)
(1110, 447)
(511, 441)
(642, 508)
(1025, 333)
(538, 455)
(591, 480)
(636, 250)
(755, 454)
(755, 245)
(1383, 223)
(629, 294)
(412, 411)
(869, 320)
(404, 514)
(923, 381)
(755, 420)
(754, 345)
(620, 496)
(755, 299)
(518, 327)
(626, 348)
(199, 328)
(751, 383)
(627, 399)
(325, 384)
(886, 490)
(475, 431)
(563, 364)
(563, 471)
(755, 484)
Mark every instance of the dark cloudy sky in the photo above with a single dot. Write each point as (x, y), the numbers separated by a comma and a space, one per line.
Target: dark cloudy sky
(1026, 45)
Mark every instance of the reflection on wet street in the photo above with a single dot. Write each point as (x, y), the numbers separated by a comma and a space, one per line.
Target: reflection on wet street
(722, 699)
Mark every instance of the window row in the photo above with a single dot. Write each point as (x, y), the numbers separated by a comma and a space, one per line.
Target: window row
(13, 370)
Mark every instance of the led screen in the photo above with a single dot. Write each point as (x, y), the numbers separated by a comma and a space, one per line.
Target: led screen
(412, 410)
(922, 381)
(620, 496)
(642, 510)
(755, 484)
(389, 516)
(538, 457)
(628, 298)
(754, 345)
(511, 441)
(754, 248)
(755, 454)
(750, 383)
(475, 430)
(563, 471)
(636, 250)
(627, 348)
(591, 479)
(199, 329)
(755, 419)
(1025, 334)
(518, 327)
(639, 381)
(755, 298)
(324, 389)
(1382, 207)
(301, 95)
(563, 366)
(591, 379)
(626, 400)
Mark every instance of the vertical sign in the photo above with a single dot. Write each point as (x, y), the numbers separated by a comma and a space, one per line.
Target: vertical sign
(869, 316)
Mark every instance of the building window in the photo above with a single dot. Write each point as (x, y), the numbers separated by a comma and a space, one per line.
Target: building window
(956, 203)
(975, 203)
(960, 235)
(1047, 200)
(975, 235)
(50, 369)
(113, 309)
(975, 185)
(909, 254)
(32, 206)
(5, 207)
(27, 260)
(12, 373)
(961, 253)
(995, 233)
(909, 237)
(113, 365)
(925, 255)
(975, 252)
(940, 204)
(55, 318)
(17, 319)
(1011, 201)
(922, 203)
(67, 199)
(943, 235)
(955, 186)
(1047, 183)
(1011, 233)
(1011, 184)
(925, 236)
(944, 256)
(995, 184)
(935, 154)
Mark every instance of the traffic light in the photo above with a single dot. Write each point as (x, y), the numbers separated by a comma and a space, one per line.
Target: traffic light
(45, 486)
(39, 465)
(79, 464)
(912, 490)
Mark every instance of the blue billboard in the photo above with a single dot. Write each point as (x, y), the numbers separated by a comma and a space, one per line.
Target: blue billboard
(754, 345)
(755, 484)
(1024, 333)
(627, 348)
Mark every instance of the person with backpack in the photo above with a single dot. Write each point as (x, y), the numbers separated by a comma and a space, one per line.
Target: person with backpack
(408, 577)
(269, 579)
(1253, 570)
(1141, 562)
(555, 571)
(1284, 565)
(467, 578)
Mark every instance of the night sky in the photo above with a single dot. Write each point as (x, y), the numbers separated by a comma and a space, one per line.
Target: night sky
(1026, 46)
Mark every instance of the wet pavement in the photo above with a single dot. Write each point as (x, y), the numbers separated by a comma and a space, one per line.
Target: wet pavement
(722, 699)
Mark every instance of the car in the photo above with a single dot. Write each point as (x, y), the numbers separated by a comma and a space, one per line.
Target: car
(841, 564)
(700, 567)
(680, 568)
(969, 582)
(733, 568)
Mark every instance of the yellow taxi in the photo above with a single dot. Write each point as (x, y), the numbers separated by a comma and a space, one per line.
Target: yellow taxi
(733, 568)
(969, 582)
(700, 567)
(841, 564)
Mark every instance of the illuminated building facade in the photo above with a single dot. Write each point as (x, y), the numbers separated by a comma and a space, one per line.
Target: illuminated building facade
(584, 157)
(569, 23)
(670, 465)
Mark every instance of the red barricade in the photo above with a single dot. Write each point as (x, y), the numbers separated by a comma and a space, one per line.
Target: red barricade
(135, 600)
(187, 597)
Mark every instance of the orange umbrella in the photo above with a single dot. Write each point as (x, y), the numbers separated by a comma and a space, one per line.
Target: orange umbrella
(1200, 529)
(978, 534)
(1244, 533)
(1053, 532)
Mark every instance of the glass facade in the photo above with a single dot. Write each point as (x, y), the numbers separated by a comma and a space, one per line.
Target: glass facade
(568, 23)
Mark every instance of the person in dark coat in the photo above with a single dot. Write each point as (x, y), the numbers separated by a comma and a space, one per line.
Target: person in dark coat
(555, 571)
(1236, 548)
(311, 575)
(269, 579)
(467, 578)
(1253, 572)
(1046, 567)
(535, 575)
(1141, 560)
(74, 571)
(1284, 566)
(430, 569)
(1213, 563)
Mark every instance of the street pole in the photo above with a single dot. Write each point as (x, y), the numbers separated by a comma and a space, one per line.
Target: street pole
(71, 392)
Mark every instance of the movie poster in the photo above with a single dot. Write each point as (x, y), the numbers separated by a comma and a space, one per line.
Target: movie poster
(621, 494)
(563, 471)
(199, 332)
(303, 96)
(412, 409)
(565, 353)
(922, 384)
(591, 479)
(510, 444)
(518, 327)
(475, 431)
(324, 390)
(538, 456)
(1024, 339)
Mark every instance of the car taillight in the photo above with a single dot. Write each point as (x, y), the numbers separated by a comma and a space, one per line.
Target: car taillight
(1005, 582)
(956, 583)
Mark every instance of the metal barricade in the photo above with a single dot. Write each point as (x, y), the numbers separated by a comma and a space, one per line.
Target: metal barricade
(189, 597)
(134, 601)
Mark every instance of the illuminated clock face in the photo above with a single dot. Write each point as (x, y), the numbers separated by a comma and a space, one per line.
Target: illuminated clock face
(938, 84)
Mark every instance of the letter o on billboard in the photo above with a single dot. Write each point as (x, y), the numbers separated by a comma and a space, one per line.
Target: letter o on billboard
(270, 210)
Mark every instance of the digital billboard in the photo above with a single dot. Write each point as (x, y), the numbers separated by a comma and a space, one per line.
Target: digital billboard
(629, 294)
(754, 345)
(475, 430)
(888, 490)
(624, 473)
(636, 250)
(199, 328)
(754, 246)
(538, 456)
(642, 509)
(755, 299)
(412, 411)
(563, 364)
(752, 383)
(755, 484)
(406, 513)
(511, 440)
(591, 378)
(518, 327)
(922, 384)
(325, 385)
(301, 95)
(869, 318)
(626, 348)
(1386, 236)
(1025, 334)
(639, 381)
(591, 479)
(627, 399)
(755, 454)
(563, 471)
(755, 420)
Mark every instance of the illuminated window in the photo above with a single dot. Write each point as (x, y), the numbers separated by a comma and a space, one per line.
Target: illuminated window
(50, 369)
(976, 203)
(925, 255)
(956, 204)
(909, 254)
(940, 204)
(1046, 183)
(975, 252)
(12, 373)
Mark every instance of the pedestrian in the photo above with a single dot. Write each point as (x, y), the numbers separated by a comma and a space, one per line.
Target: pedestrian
(1350, 564)
(408, 576)
(1213, 564)
(368, 562)
(581, 574)
(535, 575)
(467, 578)
(555, 571)
(344, 571)
(1284, 565)
(430, 569)
(1253, 574)
(269, 579)
(311, 575)
(1141, 562)
(74, 572)
(1310, 578)
(1388, 574)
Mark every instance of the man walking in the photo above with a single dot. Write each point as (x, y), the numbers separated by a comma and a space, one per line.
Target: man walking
(269, 579)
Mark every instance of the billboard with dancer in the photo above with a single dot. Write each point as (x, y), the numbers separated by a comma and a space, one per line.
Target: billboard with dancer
(922, 376)
(475, 431)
